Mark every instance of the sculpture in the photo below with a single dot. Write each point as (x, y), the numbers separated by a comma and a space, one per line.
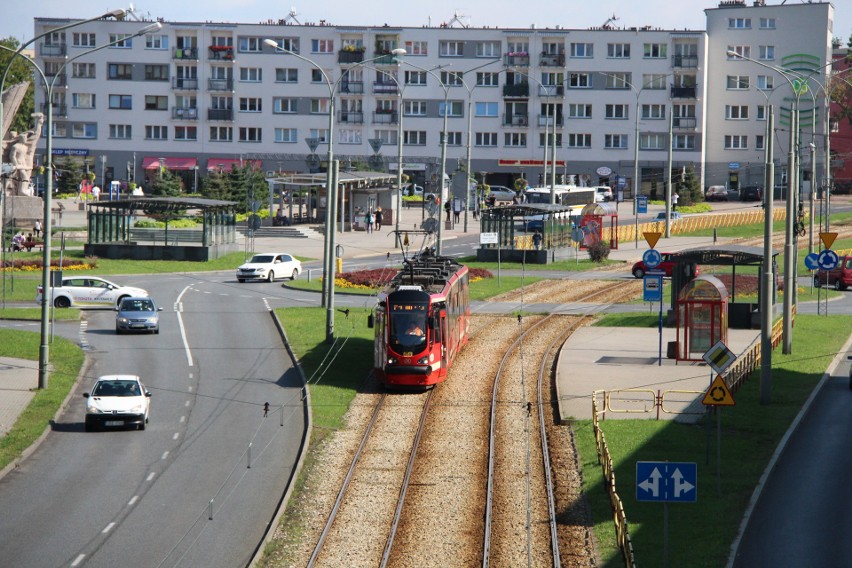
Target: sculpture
(18, 152)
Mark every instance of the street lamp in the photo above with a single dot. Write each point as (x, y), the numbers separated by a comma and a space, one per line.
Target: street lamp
(331, 180)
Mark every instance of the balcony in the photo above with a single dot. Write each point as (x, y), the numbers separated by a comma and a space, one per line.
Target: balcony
(352, 88)
(544, 120)
(385, 117)
(515, 59)
(350, 117)
(384, 58)
(220, 114)
(684, 123)
(53, 50)
(56, 79)
(552, 60)
(185, 53)
(344, 56)
(220, 85)
(185, 113)
(222, 52)
(685, 61)
(56, 110)
(516, 119)
(551, 90)
(518, 90)
(683, 92)
(385, 88)
(183, 84)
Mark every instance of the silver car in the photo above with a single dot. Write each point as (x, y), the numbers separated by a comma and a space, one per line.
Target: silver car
(137, 314)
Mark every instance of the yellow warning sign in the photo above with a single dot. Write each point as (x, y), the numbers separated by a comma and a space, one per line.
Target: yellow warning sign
(828, 239)
(718, 394)
(652, 238)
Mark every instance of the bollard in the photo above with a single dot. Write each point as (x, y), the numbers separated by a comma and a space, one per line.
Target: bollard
(339, 265)
(714, 235)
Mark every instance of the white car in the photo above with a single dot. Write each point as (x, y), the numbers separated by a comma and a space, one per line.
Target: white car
(269, 266)
(89, 291)
(603, 194)
(117, 400)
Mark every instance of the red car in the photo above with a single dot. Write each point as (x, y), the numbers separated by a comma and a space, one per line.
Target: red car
(667, 265)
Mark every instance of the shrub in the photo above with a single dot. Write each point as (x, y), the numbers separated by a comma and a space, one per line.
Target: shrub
(599, 251)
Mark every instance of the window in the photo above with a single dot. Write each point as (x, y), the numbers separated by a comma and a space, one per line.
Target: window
(655, 81)
(320, 134)
(736, 112)
(486, 139)
(156, 102)
(616, 111)
(250, 104)
(416, 48)
(159, 41)
(653, 111)
(83, 70)
(683, 142)
(655, 50)
(486, 109)
(186, 133)
(579, 80)
(286, 75)
(453, 138)
(251, 74)
(759, 142)
(122, 41)
(286, 135)
(618, 81)
(767, 23)
(455, 110)
(250, 134)
(414, 108)
(83, 100)
(349, 136)
(488, 49)
(156, 132)
(450, 48)
(582, 50)
(157, 73)
(486, 79)
(120, 131)
(123, 102)
(388, 137)
(414, 138)
(576, 110)
(765, 82)
(515, 139)
(761, 112)
(737, 82)
(415, 78)
(739, 50)
(618, 50)
(284, 106)
(766, 52)
(518, 46)
(547, 140)
(221, 134)
(452, 78)
(615, 141)
(222, 41)
(120, 71)
(652, 141)
(322, 46)
(736, 142)
(250, 44)
(579, 141)
(739, 23)
(60, 130)
(83, 40)
(319, 106)
(289, 43)
(84, 130)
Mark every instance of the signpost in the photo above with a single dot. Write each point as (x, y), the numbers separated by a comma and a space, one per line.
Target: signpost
(719, 357)
(666, 482)
(491, 239)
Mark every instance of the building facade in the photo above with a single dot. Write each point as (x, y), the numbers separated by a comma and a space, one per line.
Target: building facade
(199, 96)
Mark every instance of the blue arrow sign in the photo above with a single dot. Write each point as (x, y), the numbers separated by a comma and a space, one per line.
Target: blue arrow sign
(652, 258)
(812, 261)
(675, 482)
(828, 259)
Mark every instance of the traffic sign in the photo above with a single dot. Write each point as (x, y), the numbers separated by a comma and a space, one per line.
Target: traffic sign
(719, 357)
(667, 481)
(653, 288)
(488, 238)
(718, 394)
(828, 239)
(828, 260)
(652, 258)
(642, 203)
(254, 222)
(652, 238)
(812, 261)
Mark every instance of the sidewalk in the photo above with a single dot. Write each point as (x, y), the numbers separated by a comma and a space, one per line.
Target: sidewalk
(18, 383)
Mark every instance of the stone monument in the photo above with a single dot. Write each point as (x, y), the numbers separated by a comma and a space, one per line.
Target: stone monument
(21, 208)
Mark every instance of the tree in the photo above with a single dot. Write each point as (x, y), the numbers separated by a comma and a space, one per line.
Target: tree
(166, 184)
(19, 72)
(688, 187)
(215, 186)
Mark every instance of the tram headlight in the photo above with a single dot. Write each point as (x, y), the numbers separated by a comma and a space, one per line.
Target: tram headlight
(392, 361)
(423, 360)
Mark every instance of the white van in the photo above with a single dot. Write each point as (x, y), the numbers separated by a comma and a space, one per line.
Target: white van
(603, 193)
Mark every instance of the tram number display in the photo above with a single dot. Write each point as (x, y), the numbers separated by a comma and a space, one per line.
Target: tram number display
(408, 307)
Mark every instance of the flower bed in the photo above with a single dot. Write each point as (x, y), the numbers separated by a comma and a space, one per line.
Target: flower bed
(35, 264)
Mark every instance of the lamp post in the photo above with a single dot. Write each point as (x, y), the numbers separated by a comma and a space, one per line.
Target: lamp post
(331, 181)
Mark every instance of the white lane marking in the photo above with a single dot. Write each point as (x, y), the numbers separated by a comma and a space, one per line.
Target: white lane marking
(182, 419)
(182, 328)
(165, 455)
(150, 476)
(133, 501)
(176, 436)
(187, 403)
(190, 388)
(78, 560)
(108, 528)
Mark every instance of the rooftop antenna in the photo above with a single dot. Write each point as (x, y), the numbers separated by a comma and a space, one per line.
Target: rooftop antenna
(292, 16)
(457, 19)
(611, 20)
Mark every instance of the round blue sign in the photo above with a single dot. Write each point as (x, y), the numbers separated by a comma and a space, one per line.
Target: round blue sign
(828, 260)
(652, 258)
(812, 261)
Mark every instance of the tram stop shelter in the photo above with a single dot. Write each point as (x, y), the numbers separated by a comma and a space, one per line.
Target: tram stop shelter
(515, 226)
(593, 221)
(111, 231)
(741, 315)
(702, 317)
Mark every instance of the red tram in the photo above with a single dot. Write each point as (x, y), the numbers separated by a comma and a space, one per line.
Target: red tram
(422, 321)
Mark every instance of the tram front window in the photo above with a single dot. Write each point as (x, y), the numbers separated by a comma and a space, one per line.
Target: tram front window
(408, 331)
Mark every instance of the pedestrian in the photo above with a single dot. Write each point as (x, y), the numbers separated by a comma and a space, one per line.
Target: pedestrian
(675, 197)
(368, 220)
(37, 228)
(536, 238)
(96, 193)
(457, 207)
(447, 209)
(378, 218)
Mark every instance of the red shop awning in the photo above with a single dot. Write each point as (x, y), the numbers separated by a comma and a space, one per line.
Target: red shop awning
(152, 163)
(213, 164)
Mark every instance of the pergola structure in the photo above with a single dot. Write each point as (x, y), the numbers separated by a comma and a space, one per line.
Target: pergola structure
(515, 226)
(111, 233)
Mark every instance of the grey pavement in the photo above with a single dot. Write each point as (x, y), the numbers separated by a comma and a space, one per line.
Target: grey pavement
(18, 384)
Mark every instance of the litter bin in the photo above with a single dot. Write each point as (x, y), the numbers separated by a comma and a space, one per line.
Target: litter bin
(671, 350)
